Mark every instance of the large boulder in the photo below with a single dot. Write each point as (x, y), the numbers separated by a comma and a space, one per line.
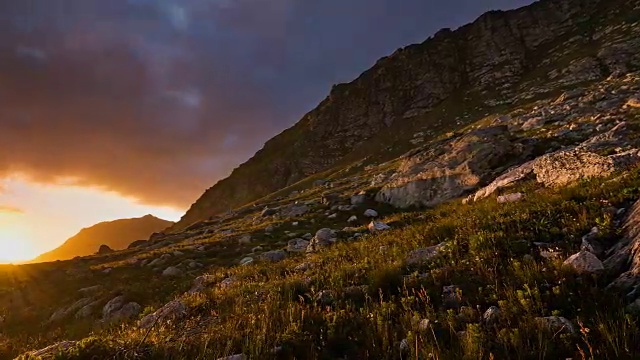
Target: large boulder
(323, 238)
(274, 256)
(449, 170)
(65, 312)
(112, 306)
(173, 310)
(172, 271)
(297, 245)
(294, 211)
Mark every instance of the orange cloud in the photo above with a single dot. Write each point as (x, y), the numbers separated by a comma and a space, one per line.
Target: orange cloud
(7, 209)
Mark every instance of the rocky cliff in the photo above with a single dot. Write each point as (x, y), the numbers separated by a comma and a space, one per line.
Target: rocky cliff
(500, 59)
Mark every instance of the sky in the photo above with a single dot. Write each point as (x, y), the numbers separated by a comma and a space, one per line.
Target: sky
(119, 108)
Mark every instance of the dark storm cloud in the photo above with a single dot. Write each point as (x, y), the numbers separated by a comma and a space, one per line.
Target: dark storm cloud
(159, 98)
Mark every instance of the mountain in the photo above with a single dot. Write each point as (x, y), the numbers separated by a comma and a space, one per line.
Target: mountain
(478, 67)
(116, 234)
(476, 196)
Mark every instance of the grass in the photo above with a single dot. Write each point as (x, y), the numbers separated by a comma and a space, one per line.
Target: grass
(488, 256)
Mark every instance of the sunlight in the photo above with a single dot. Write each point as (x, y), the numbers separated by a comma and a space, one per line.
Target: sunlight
(15, 243)
(36, 218)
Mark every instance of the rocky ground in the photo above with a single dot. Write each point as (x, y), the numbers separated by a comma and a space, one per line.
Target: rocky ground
(512, 232)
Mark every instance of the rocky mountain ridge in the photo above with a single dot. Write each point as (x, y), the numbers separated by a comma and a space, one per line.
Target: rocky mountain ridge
(116, 235)
(500, 59)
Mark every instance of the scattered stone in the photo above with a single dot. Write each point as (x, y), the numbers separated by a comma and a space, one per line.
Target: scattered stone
(244, 240)
(269, 229)
(303, 267)
(107, 271)
(178, 253)
(274, 256)
(173, 310)
(352, 219)
(323, 238)
(268, 212)
(127, 311)
(370, 213)
(491, 316)
(510, 198)
(172, 271)
(137, 244)
(257, 249)
(330, 199)
(584, 262)
(90, 289)
(104, 249)
(332, 216)
(195, 265)
(297, 245)
(294, 211)
(423, 255)
(633, 103)
(227, 282)
(246, 261)
(200, 283)
(591, 244)
(376, 226)
(65, 312)
(295, 223)
(87, 310)
(112, 306)
(557, 324)
(358, 199)
(307, 236)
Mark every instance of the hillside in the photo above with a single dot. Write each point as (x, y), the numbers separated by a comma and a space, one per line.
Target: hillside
(476, 196)
(116, 234)
(485, 64)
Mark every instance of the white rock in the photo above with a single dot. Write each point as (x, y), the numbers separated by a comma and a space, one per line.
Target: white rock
(352, 219)
(332, 216)
(370, 213)
(510, 198)
(246, 261)
(172, 271)
(376, 226)
(244, 240)
(584, 262)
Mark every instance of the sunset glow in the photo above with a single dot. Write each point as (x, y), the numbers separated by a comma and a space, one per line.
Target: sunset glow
(35, 218)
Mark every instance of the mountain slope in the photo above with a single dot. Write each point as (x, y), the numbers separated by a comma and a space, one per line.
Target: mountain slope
(484, 63)
(116, 234)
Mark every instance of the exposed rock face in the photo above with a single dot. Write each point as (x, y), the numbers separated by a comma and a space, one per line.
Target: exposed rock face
(442, 173)
(493, 54)
(625, 259)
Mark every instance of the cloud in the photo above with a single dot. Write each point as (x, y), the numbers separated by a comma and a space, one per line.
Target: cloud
(158, 99)
(7, 209)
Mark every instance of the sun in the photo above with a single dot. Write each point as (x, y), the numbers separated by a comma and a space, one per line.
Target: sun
(15, 243)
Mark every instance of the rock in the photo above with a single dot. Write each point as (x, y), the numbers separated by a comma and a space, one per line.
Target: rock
(370, 213)
(138, 244)
(294, 211)
(156, 262)
(268, 212)
(633, 103)
(104, 249)
(319, 182)
(51, 351)
(423, 255)
(65, 312)
(234, 357)
(244, 240)
(491, 316)
(324, 237)
(377, 226)
(332, 216)
(405, 349)
(352, 219)
(227, 282)
(510, 198)
(87, 311)
(591, 244)
(556, 324)
(358, 199)
(303, 267)
(200, 283)
(172, 271)
(90, 289)
(246, 261)
(173, 310)
(195, 265)
(451, 296)
(178, 253)
(107, 271)
(449, 169)
(307, 236)
(112, 306)
(330, 199)
(269, 229)
(127, 311)
(274, 256)
(297, 245)
(584, 262)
